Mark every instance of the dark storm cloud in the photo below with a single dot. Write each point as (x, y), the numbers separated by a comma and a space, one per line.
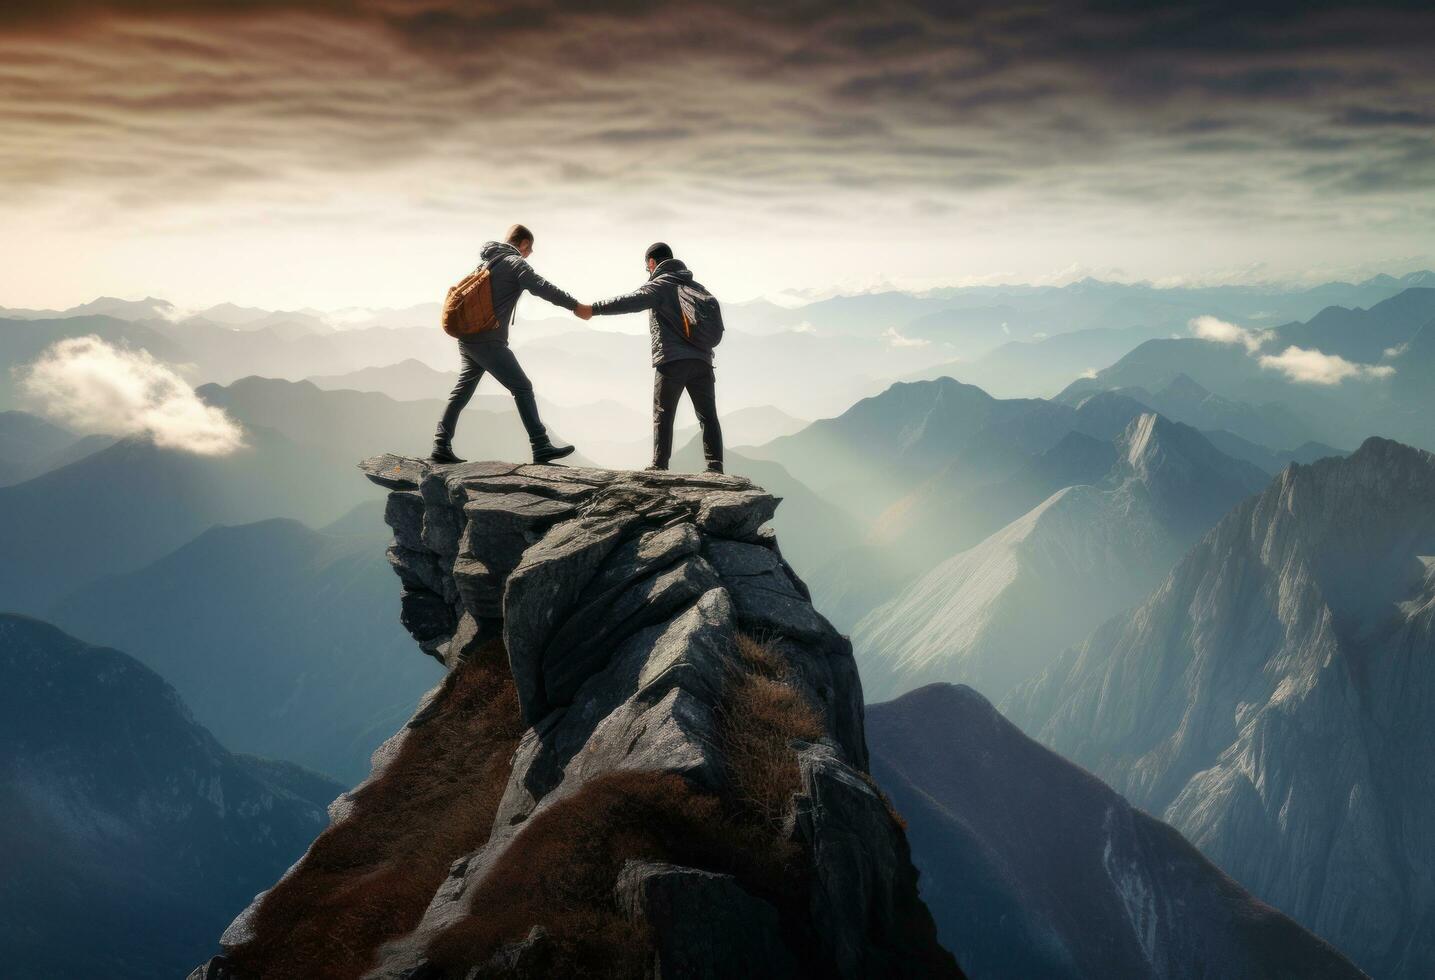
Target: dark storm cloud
(1102, 100)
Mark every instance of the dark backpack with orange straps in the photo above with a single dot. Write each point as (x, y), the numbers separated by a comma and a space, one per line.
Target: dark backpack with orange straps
(702, 316)
(468, 307)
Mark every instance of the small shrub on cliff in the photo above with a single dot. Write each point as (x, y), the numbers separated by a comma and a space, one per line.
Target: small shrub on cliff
(368, 880)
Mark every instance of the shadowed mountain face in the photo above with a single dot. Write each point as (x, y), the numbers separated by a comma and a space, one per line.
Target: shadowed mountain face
(285, 641)
(1033, 868)
(1271, 699)
(25, 441)
(131, 835)
(998, 613)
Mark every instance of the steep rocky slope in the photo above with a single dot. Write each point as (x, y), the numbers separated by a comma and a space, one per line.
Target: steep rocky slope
(1272, 700)
(130, 835)
(1033, 868)
(647, 756)
(999, 613)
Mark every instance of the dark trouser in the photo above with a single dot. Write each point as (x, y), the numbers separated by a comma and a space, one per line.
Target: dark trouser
(498, 360)
(669, 382)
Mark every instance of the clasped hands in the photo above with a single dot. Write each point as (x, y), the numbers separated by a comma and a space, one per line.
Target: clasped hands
(583, 311)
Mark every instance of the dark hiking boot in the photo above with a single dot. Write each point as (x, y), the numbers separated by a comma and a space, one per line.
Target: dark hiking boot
(714, 468)
(443, 456)
(548, 452)
(655, 469)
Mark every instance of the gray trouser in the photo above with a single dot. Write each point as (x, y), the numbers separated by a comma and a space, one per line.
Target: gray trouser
(670, 380)
(498, 360)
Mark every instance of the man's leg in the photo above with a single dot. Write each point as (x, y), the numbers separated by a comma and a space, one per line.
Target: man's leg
(702, 389)
(469, 373)
(667, 389)
(500, 362)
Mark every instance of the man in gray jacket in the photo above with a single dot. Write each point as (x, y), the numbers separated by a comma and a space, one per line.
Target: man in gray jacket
(509, 274)
(681, 365)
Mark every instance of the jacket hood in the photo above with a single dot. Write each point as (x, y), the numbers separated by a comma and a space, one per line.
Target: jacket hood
(674, 268)
(493, 250)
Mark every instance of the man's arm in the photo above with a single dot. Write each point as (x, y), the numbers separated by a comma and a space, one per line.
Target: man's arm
(538, 286)
(645, 297)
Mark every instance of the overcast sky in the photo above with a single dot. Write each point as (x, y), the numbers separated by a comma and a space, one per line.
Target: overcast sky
(332, 154)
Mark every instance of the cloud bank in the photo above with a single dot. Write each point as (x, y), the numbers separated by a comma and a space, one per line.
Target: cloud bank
(94, 387)
(1299, 364)
(1220, 332)
(1312, 367)
(1018, 128)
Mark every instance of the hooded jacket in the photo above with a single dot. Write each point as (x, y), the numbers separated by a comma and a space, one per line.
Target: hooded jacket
(509, 275)
(659, 296)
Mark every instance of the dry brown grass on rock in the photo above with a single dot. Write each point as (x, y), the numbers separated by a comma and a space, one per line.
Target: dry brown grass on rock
(369, 879)
(560, 870)
(761, 714)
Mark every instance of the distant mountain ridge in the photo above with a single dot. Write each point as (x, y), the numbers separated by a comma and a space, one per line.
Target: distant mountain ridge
(1395, 402)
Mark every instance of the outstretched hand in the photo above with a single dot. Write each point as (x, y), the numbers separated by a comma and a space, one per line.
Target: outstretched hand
(583, 311)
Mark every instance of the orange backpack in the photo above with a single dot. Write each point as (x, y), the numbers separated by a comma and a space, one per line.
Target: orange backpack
(468, 307)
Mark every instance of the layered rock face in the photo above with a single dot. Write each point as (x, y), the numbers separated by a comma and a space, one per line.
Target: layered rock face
(619, 598)
(1272, 700)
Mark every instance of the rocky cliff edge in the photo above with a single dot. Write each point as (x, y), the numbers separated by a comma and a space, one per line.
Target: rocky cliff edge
(684, 772)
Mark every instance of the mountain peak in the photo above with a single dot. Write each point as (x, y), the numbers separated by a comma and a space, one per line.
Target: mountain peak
(1188, 479)
(1380, 469)
(1149, 436)
(1184, 387)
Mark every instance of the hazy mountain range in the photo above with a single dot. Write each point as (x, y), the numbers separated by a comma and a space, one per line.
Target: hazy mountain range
(132, 837)
(1081, 555)
(303, 654)
(1012, 340)
(1387, 353)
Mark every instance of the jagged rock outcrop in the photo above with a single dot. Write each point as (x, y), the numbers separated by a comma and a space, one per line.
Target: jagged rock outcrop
(620, 599)
(1271, 699)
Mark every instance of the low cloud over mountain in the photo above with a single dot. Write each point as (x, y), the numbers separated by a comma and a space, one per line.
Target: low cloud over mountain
(91, 386)
(1299, 364)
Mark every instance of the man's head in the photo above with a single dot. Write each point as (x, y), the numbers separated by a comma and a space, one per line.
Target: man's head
(657, 252)
(522, 239)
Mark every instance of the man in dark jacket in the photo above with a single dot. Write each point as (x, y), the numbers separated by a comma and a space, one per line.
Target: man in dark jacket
(509, 274)
(681, 364)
